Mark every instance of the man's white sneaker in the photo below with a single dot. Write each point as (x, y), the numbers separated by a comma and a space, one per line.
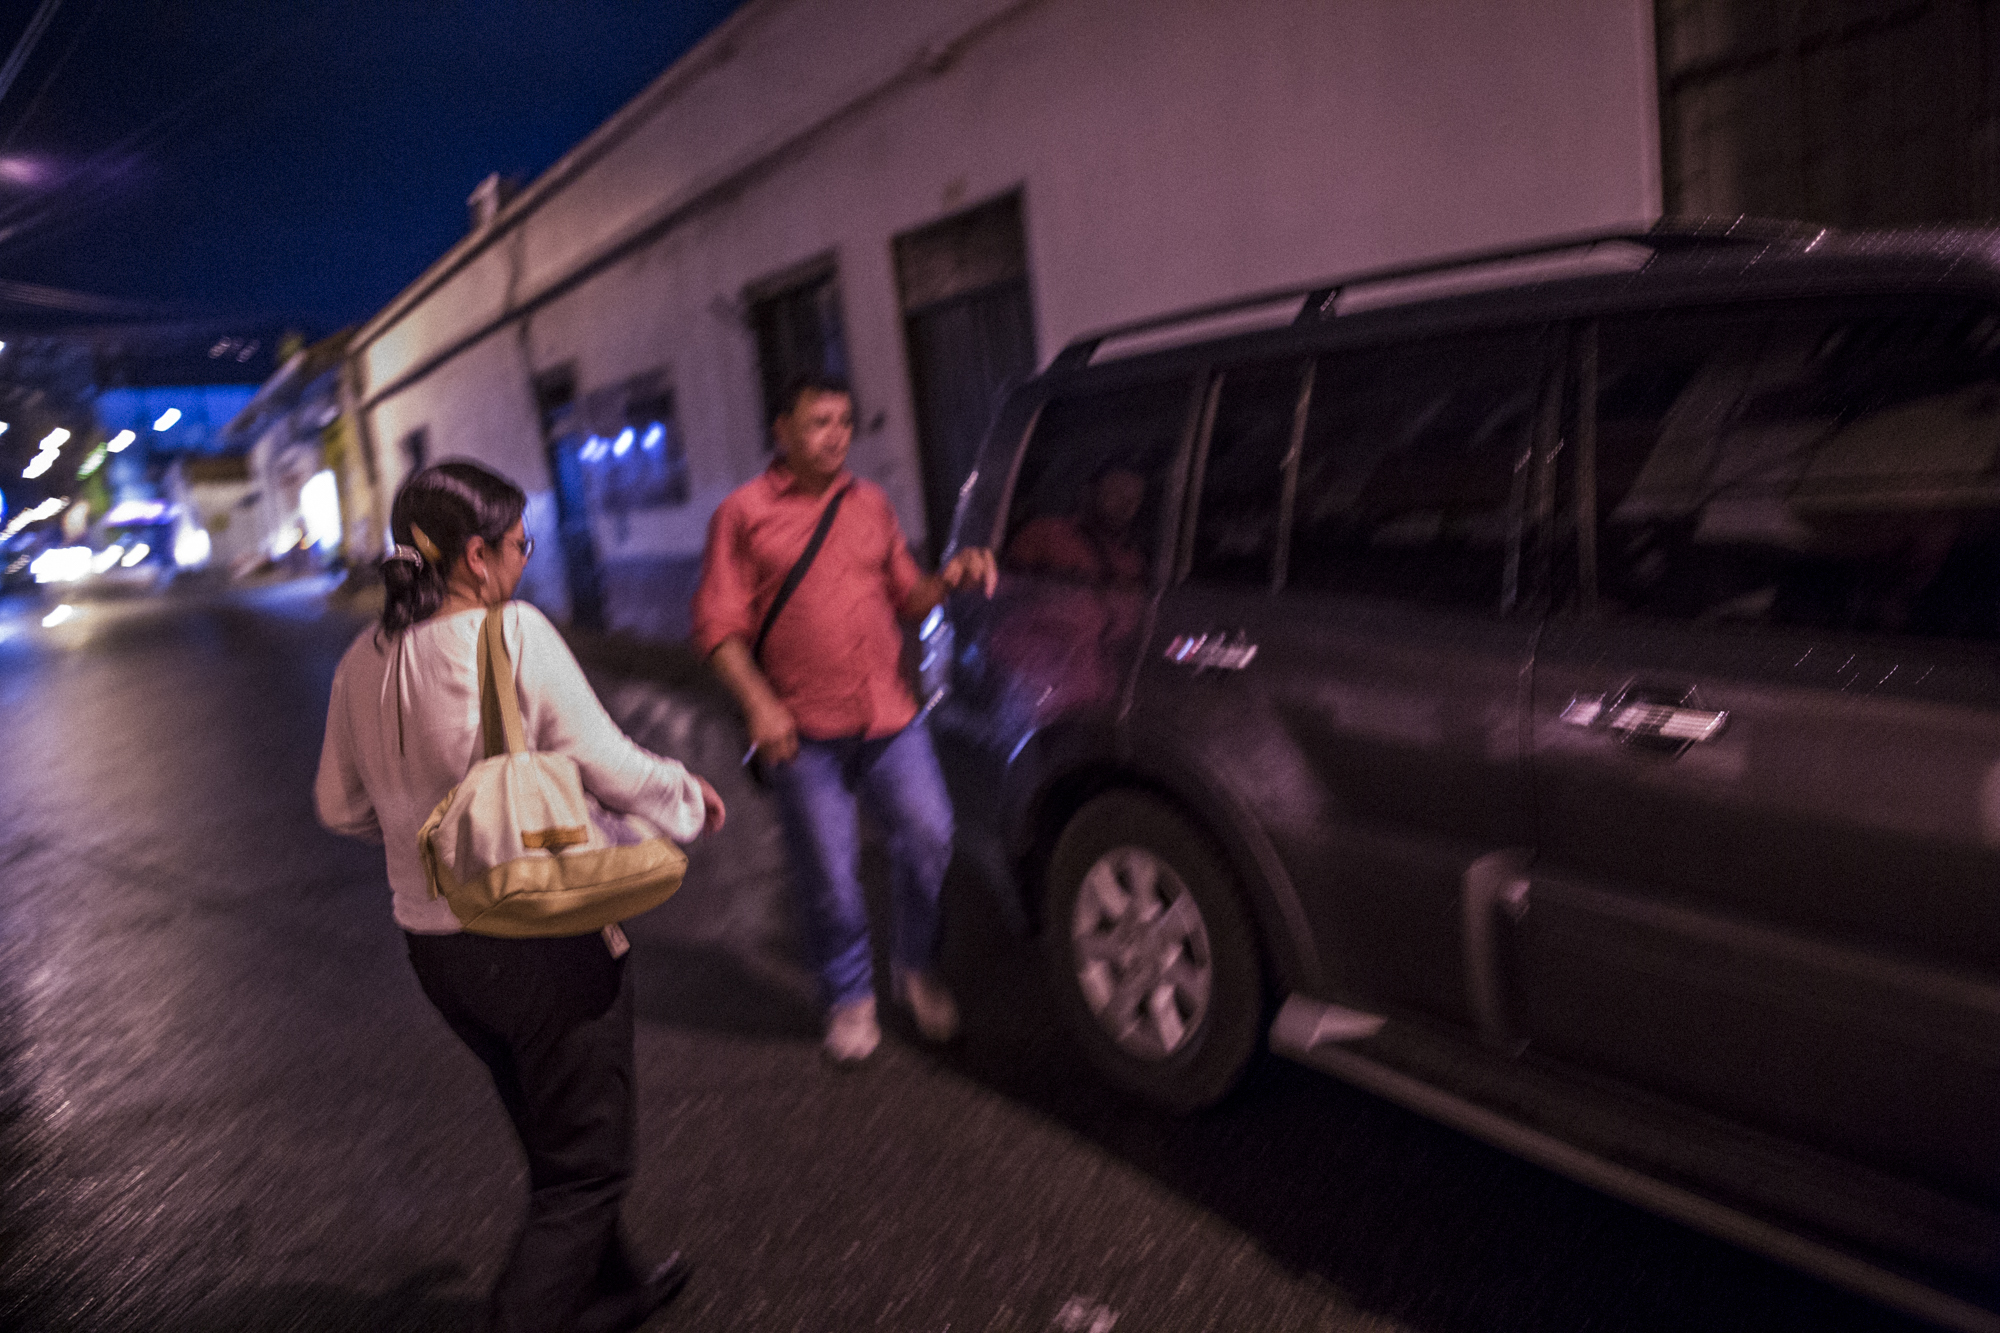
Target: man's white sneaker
(851, 1032)
(929, 1003)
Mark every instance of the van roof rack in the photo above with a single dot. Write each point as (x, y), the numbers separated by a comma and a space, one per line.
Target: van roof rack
(1317, 299)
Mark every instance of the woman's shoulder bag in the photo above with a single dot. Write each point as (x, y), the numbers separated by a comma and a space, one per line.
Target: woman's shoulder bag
(519, 849)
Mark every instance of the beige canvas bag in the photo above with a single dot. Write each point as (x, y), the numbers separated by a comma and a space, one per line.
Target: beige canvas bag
(519, 849)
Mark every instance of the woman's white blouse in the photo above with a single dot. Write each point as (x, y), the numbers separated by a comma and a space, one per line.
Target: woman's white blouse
(380, 778)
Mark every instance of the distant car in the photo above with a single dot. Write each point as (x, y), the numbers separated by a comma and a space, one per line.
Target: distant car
(17, 553)
(130, 560)
(1569, 707)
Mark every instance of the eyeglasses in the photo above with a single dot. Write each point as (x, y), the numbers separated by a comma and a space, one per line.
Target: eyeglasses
(526, 546)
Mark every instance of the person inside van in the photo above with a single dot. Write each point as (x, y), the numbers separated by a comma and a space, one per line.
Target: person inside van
(1094, 545)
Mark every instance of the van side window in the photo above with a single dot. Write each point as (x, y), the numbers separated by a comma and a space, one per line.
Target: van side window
(1092, 485)
(1242, 486)
(1827, 468)
(1409, 468)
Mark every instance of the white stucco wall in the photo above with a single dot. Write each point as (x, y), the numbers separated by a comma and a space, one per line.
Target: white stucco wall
(1169, 152)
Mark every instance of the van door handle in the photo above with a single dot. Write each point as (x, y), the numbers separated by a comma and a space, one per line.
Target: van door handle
(1637, 718)
(1205, 651)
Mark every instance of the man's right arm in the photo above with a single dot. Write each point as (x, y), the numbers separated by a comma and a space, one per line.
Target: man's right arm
(773, 731)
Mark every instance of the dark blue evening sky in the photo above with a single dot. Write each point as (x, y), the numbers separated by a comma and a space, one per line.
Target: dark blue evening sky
(295, 160)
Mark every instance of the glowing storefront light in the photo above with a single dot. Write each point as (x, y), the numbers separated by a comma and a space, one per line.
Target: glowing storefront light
(135, 511)
(191, 547)
(55, 439)
(61, 564)
(118, 443)
(623, 446)
(319, 510)
(57, 616)
(135, 555)
(46, 509)
(39, 464)
(167, 419)
(655, 433)
(106, 558)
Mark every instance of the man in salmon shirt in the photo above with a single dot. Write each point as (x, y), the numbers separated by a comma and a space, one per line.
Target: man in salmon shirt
(829, 713)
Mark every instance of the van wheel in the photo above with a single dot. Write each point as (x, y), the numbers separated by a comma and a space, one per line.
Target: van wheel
(1150, 954)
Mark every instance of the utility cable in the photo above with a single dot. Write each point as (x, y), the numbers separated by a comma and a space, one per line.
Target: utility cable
(49, 79)
(26, 46)
(34, 215)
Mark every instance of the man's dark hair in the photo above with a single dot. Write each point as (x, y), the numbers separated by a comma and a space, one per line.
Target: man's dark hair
(813, 382)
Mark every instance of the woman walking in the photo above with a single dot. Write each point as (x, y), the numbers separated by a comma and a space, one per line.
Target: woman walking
(551, 1018)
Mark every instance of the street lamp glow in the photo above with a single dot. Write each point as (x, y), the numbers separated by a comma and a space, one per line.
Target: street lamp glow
(41, 463)
(117, 443)
(56, 438)
(167, 418)
(57, 616)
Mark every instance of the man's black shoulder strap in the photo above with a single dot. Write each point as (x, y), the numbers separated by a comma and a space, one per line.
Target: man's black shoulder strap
(797, 573)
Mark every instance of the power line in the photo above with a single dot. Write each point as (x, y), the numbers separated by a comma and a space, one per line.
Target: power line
(49, 79)
(76, 191)
(23, 48)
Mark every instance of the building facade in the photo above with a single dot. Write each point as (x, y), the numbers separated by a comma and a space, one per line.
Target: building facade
(931, 196)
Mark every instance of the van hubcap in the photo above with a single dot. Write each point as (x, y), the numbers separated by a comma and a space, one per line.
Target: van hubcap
(1141, 953)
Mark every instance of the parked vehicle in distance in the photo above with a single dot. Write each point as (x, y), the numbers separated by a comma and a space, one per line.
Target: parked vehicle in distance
(1558, 690)
(17, 553)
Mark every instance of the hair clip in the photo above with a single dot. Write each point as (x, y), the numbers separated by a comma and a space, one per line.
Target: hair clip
(408, 553)
(425, 545)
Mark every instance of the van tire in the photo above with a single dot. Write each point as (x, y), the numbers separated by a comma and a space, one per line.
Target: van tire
(1156, 974)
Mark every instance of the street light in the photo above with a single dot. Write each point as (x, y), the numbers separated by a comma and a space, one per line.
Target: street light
(167, 418)
(117, 443)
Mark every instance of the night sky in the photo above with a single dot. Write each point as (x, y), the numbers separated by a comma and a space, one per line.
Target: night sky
(294, 161)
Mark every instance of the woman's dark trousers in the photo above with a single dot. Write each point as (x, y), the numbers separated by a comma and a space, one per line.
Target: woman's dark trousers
(552, 1021)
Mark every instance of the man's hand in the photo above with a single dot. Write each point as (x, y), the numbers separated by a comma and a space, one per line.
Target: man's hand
(975, 564)
(714, 813)
(773, 732)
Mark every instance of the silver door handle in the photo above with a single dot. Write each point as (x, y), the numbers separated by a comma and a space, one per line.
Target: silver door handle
(1640, 719)
(1205, 651)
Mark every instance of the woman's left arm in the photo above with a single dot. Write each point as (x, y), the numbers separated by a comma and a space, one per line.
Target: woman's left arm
(564, 716)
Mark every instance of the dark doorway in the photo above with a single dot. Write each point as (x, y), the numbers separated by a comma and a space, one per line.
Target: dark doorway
(970, 330)
(796, 317)
(564, 437)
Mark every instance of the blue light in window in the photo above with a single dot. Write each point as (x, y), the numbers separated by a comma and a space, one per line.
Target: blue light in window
(623, 446)
(593, 449)
(651, 440)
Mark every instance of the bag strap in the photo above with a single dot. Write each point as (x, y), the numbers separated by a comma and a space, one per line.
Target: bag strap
(797, 573)
(499, 707)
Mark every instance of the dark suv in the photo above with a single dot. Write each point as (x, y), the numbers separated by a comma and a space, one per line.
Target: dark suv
(1559, 691)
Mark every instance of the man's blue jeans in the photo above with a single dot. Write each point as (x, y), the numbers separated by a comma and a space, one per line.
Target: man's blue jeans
(897, 778)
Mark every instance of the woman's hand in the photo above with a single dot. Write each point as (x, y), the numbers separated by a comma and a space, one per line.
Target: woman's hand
(714, 813)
